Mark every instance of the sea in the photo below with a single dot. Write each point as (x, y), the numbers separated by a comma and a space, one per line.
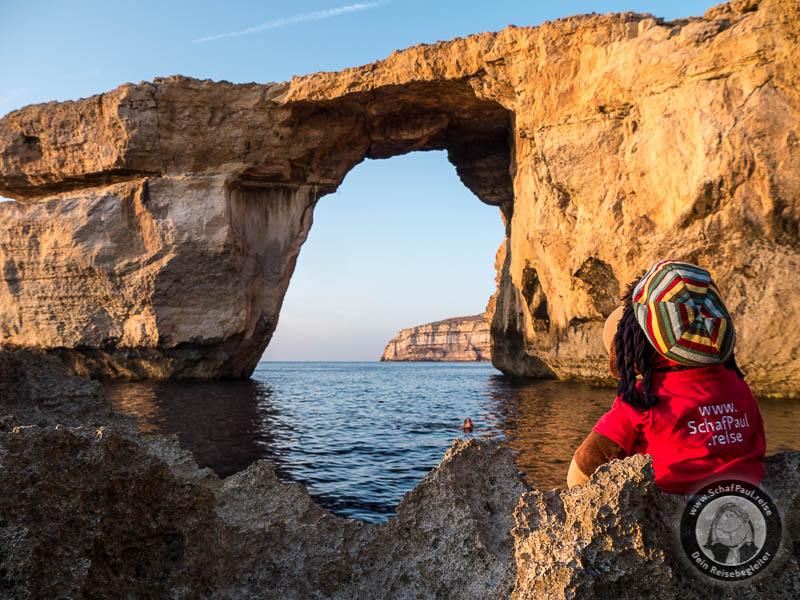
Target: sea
(359, 435)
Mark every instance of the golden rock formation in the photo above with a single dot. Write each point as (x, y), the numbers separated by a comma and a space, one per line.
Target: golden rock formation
(158, 224)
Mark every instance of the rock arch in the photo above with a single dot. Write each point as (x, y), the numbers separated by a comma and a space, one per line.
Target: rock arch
(201, 228)
(158, 224)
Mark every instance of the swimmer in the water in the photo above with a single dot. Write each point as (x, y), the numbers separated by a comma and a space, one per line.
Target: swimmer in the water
(467, 425)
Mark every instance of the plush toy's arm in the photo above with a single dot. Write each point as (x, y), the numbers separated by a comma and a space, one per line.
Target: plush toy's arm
(575, 476)
(595, 450)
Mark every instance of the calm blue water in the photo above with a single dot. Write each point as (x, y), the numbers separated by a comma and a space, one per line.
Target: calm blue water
(360, 435)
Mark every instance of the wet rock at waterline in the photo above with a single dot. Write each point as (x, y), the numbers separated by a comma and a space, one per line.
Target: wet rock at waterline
(95, 509)
(159, 223)
(455, 339)
(95, 512)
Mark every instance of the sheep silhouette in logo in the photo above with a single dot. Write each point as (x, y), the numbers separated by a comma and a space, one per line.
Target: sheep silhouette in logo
(731, 537)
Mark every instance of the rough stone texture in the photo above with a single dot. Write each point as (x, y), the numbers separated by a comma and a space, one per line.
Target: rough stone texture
(37, 389)
(456, 339)
(94, 509)
(92, 513)
(170, 213)
(87, 513)
(450, 539)
(601, 526)
(95, 513)
(171, 276)
(617, 537)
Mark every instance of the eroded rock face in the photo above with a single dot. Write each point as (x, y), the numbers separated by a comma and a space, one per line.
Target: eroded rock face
(450, 539)
(602, 526)
(607, 142)
(161, 277)
(91, 512)
(616, 537)
(94, 512)
(91, 508)
(456, 339)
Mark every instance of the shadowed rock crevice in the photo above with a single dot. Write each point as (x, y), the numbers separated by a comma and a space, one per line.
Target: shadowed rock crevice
(510, 348)
(535, 299)
(601, 285)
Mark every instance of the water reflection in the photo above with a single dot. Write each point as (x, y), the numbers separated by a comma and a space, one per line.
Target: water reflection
(225, 425)
(544, 421)
(361, 435)
(367, 433)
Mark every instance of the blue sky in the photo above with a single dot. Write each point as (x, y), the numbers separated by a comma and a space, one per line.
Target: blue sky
(402, 241)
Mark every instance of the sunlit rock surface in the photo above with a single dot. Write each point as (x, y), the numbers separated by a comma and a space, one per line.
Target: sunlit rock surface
(456, 339)
(159, 223)
(170, 276)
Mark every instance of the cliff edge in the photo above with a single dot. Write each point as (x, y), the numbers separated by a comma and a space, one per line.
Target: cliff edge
(455, 339)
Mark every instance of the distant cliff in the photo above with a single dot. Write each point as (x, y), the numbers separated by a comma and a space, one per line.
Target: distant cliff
(459, 338)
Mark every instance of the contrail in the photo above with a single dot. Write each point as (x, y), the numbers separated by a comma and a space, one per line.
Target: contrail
(317, 15)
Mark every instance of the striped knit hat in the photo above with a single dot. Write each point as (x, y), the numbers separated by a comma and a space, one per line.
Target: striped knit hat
(682, 314)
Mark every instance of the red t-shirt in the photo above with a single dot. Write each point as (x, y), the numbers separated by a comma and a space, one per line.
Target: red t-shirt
(706, 426)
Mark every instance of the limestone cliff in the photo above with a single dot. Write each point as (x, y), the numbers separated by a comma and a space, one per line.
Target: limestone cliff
(159, 223)
(456, 339)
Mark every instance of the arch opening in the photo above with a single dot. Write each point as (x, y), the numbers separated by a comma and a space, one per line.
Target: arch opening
(363, 432)
(361, 447)
(390, 121)
(180, 199)
(401, 243)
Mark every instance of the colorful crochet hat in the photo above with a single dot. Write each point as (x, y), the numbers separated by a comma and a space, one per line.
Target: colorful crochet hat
(680, 309)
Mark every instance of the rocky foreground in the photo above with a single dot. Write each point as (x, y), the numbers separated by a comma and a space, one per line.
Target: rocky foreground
(157, 225)
(92, 509)
(455, 339)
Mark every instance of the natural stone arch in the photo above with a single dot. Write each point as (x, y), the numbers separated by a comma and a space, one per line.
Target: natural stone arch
(193, 280)
(608, 142)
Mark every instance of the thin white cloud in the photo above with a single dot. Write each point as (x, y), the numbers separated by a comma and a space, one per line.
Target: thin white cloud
(317, 15)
